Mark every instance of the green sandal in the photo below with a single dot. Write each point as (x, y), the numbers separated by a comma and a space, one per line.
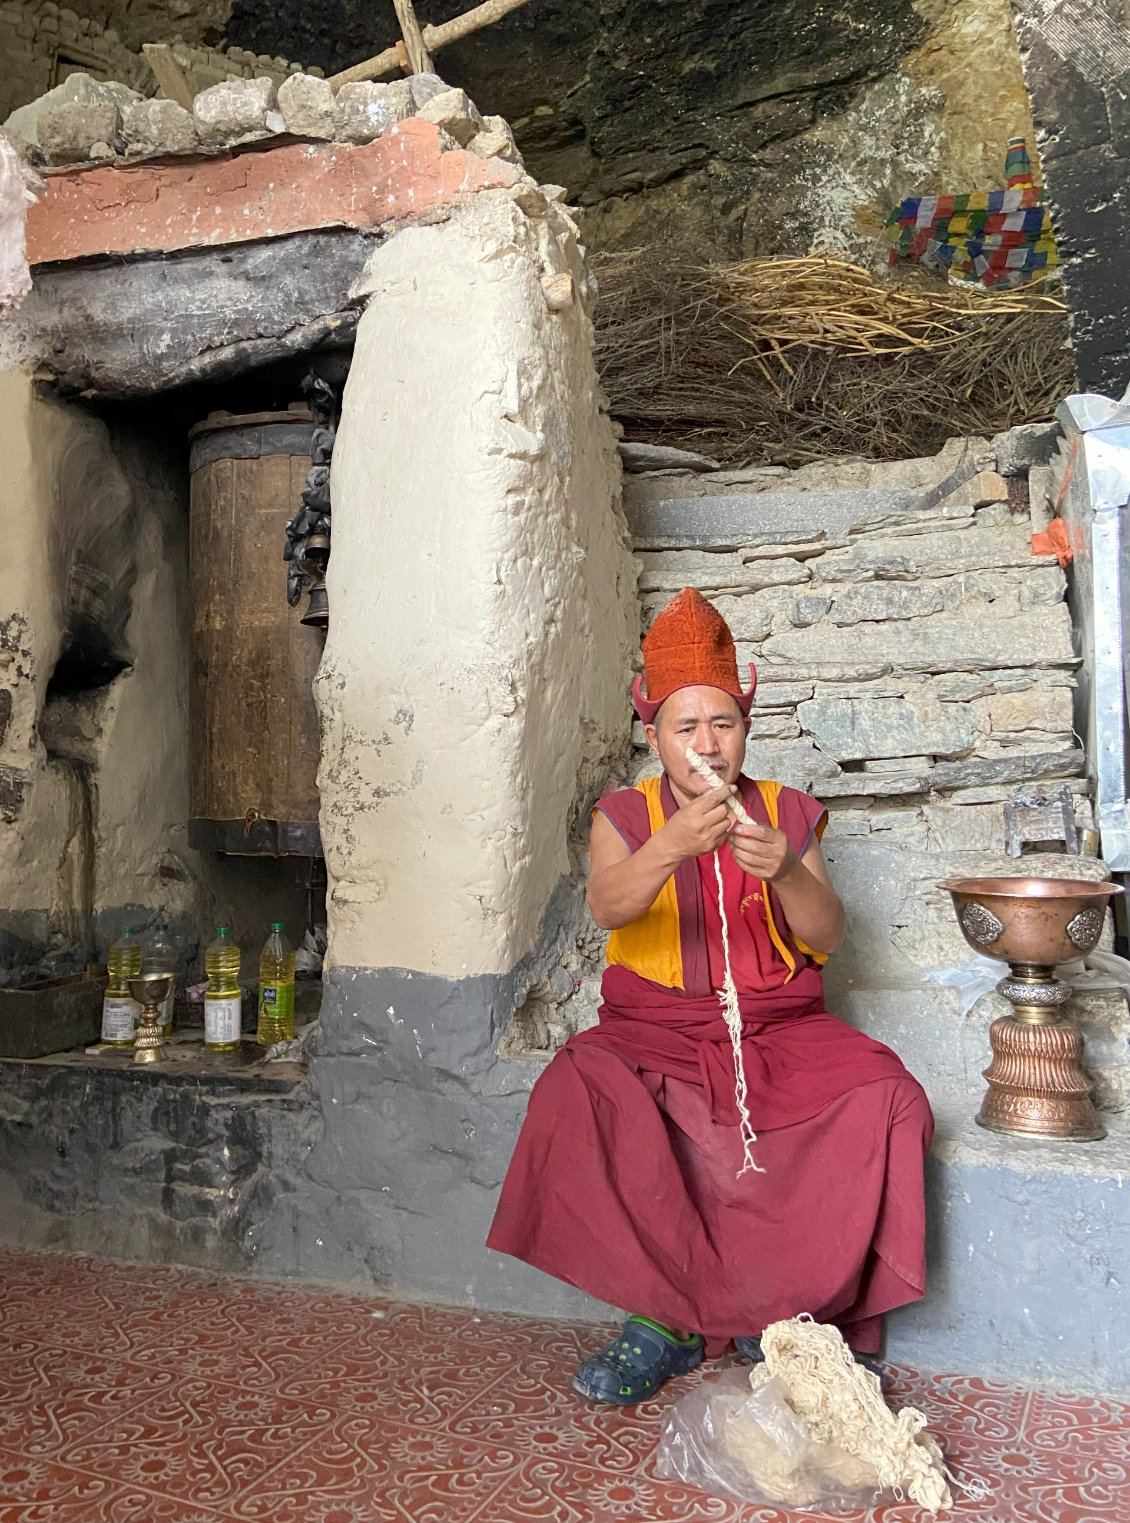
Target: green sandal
(631, 1369)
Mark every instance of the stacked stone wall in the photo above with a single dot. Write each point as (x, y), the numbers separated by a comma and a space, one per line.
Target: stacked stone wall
(916, 670)
(915, 662)
(41, 43)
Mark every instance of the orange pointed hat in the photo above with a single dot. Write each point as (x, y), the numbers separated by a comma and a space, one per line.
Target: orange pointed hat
(688, 645)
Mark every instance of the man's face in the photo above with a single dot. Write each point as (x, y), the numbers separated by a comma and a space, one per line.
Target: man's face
(711, 722)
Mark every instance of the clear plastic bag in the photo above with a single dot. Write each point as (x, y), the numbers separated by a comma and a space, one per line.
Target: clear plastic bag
(311, 954)
(972, 980)
(1097, 972)
(19, 187)
(731, 1441)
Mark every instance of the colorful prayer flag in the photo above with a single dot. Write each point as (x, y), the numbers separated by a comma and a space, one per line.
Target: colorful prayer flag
(996, 237)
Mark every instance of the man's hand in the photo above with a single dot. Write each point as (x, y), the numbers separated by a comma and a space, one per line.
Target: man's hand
(763, 852)
(700, 826)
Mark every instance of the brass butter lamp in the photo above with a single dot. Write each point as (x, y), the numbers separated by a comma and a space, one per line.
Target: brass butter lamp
(149, 989)
(1037, 1084)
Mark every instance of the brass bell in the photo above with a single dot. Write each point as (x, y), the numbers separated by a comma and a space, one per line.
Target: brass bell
(318, 608)
(314, 560)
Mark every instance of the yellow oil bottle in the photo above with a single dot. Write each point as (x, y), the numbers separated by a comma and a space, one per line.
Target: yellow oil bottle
(119, 1011)
(276, 989)
(223, 1001)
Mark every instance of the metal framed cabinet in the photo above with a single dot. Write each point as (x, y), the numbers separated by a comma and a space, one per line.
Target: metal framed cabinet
(1093, 499)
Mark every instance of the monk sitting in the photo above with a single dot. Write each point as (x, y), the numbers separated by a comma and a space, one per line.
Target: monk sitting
(636, 1175)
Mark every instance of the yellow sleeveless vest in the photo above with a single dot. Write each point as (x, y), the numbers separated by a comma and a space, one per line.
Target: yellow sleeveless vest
(652, 945)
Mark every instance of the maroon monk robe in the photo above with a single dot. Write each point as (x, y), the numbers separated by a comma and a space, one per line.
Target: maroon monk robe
(624, 1181)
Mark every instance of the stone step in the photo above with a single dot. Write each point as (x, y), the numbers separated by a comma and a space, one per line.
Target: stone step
(1028, 1254)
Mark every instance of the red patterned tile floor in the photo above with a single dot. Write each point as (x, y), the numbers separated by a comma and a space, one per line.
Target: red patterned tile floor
(163, 1396)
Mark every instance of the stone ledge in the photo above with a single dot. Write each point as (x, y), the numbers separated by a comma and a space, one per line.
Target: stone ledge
(151, 208)
(243, 1071)
(1012, 1222)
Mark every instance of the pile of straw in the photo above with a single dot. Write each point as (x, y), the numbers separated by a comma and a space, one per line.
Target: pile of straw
(789, 360)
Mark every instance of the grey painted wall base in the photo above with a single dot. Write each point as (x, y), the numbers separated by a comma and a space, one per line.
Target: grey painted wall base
(387, 1182)
(1029, 1256)
(419, 1119)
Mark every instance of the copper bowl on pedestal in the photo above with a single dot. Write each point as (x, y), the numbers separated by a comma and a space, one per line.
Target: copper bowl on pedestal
(1037, 1084)
(149, 989)
(1038, 921)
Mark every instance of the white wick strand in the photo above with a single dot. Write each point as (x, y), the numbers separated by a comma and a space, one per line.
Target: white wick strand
(705, 770)
(731, 1008)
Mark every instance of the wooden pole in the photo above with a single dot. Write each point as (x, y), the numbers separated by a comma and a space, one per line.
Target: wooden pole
(168, 73)
(433, 38)
(418, 55)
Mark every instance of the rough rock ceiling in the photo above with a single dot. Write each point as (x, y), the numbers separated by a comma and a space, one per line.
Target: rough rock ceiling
(663, 117)
(736, 126)
(624, 97)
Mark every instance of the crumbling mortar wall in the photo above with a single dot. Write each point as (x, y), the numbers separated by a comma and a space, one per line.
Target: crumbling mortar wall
(83, 554)
(516, 536)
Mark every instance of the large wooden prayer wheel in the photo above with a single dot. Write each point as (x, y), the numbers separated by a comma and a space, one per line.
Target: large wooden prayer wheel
(254, 726)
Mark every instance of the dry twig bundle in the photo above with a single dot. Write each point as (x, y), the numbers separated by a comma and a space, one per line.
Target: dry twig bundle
(790, 360)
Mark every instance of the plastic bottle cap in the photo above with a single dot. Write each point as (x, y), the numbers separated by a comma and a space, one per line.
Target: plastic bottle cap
(223, 930)
(127, 930)
(278, 925)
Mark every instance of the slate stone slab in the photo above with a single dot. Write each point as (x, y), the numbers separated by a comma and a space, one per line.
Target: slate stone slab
(1008, 769)
(857, 729)
(637, 456)
(961, 641)
(728, 522)
(873, 785)
(126, 330)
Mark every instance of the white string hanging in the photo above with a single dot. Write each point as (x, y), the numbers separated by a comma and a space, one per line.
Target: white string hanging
(731, 1008)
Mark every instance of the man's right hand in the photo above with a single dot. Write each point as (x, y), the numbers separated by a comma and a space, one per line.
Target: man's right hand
(623, 884)
(701, 826)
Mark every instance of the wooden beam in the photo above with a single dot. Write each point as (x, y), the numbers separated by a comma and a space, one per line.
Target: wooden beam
(418, 55)
(168, 73)
(434, 38)
(470, 21)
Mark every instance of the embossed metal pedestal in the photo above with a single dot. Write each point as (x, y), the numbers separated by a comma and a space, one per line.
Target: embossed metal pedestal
(1037, 1084)
(149, 989)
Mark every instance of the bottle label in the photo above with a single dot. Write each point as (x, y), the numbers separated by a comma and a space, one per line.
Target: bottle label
(222, 1019)
(119, 1018)
(276, 1001)
(165, 1019)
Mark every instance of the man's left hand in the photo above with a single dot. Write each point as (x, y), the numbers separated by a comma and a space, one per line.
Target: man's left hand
(762, 852)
